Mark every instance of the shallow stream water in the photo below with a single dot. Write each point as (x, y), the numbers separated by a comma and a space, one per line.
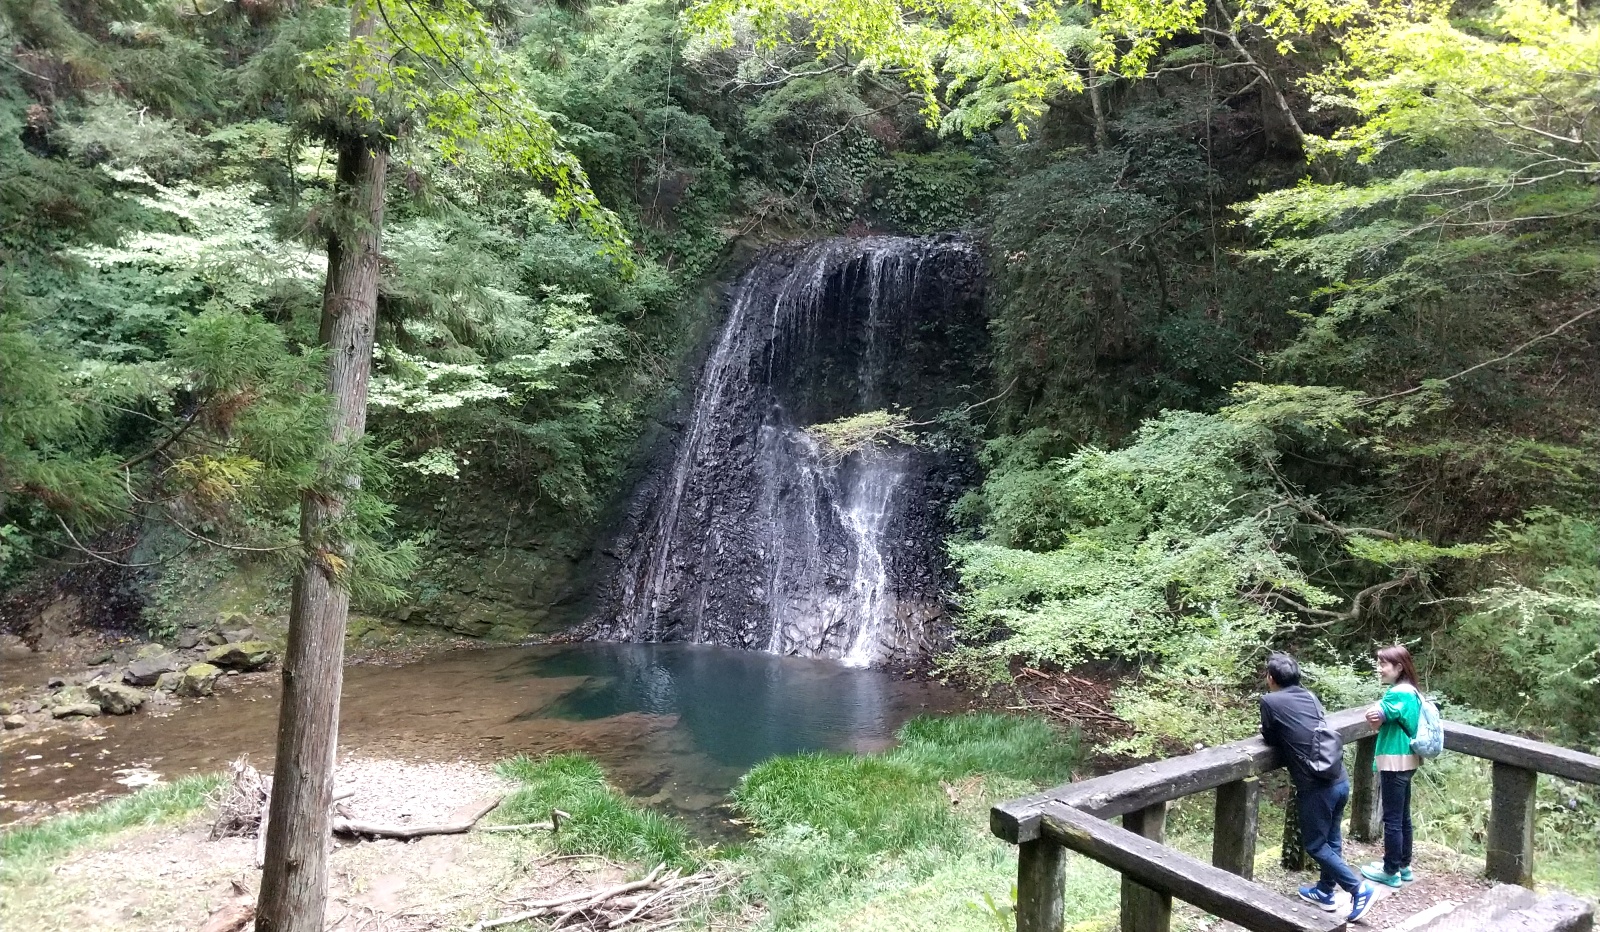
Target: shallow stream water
(674, 724)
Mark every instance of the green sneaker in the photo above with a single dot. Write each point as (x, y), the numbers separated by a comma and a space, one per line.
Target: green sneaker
(1405, 874)
(1374, 872)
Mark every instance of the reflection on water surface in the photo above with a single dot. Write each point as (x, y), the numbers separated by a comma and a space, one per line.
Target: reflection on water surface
(676, 724)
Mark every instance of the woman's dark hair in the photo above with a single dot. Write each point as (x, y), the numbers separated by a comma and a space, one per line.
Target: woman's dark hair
(1400, 657)
(1283, 670)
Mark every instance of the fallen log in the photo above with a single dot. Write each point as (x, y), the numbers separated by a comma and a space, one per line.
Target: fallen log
(461, 821)
(231, 918)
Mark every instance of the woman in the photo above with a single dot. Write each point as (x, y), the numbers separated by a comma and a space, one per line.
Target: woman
(1397, 715)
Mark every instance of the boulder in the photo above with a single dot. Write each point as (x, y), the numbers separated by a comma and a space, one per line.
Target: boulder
(188, 638)
(77, 705)
(214, 637)
(149, 651)
(14, 721)
(239, 636)
(168, 683)
(198, 680)
(115, 698)
(100, 659)
(147, 670)
(54, 682)
(245, 655)
(7, 708)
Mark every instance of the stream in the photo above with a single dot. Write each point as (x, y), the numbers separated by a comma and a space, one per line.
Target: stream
(675, 725)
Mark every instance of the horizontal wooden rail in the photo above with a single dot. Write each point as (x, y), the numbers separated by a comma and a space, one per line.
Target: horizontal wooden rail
(1161, 781)
(1164, 869)
(1521, 752)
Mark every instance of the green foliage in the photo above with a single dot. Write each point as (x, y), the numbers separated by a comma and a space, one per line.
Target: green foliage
(1003, 57)
(1529, 647)
(27, 849)
(602, 821)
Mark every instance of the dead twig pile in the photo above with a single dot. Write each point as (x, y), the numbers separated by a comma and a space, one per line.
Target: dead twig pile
(242, 802)
(658, 901)
(1069, 698)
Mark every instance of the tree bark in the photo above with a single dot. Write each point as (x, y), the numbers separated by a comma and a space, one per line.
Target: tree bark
(294, 881)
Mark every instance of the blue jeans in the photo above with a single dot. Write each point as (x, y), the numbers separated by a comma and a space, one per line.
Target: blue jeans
(1321, 810)
(1394, 787)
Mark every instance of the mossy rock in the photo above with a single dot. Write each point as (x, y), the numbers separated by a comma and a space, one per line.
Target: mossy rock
(115, 698)
(199, 680)
(245, 655)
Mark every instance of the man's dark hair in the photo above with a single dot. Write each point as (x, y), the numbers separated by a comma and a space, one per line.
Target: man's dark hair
(1283, 670)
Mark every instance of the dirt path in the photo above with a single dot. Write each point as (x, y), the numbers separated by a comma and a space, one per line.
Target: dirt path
(170, 878)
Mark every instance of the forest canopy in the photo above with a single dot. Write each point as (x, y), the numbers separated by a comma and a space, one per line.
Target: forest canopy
(1292, 305)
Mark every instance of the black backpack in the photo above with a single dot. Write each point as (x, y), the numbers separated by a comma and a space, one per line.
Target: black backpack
(1326, 753)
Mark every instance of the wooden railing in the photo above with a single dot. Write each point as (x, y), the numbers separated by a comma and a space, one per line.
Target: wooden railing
(1073, 817)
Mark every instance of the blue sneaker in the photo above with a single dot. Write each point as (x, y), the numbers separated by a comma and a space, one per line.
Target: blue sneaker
(1361, 901)
(1406, 876)
(1311, 893)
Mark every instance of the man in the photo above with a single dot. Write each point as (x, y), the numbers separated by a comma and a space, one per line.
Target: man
(1290, 718)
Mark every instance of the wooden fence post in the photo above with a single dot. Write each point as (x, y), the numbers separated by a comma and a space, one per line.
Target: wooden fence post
(1510, 847)
(1366, 811)
(1143, 909)
(1041, 886)
(1233, 834)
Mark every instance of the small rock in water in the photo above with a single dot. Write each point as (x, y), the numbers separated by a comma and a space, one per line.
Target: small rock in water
(14, 722)
(55, 682)
(115, 698)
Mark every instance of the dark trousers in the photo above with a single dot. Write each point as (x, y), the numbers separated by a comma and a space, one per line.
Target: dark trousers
(1321, 810)
(1394, 786)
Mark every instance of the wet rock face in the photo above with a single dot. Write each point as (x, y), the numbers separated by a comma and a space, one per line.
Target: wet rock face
(747, 533)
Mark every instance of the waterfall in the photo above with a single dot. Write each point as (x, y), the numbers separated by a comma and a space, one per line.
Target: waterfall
(749, 534)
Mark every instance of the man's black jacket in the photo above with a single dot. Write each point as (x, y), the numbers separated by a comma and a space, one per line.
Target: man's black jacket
(1289, 719)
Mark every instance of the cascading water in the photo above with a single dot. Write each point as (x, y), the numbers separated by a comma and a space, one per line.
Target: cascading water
(753, 536)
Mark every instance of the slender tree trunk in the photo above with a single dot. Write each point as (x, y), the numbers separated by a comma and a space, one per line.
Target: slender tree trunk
(294, 884)
(1102, 135)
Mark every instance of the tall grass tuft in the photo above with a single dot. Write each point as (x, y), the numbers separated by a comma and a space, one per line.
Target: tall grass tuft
(30, 848)
(602, 820)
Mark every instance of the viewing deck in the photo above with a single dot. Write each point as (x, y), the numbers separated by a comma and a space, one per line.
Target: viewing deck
(1074, 817)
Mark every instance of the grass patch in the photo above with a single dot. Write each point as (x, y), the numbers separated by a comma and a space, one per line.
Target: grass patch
(29, 848)
(841, 836)
(603, 821)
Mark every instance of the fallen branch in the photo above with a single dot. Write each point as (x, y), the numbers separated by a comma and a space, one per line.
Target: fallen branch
(463, 821)
(554, 825)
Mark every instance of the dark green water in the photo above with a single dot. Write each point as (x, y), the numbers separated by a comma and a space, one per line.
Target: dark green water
(738, 707)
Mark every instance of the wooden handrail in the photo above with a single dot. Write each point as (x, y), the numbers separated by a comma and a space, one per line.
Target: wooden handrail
(1133, 789)
(1172, 872)
(1522, 752)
